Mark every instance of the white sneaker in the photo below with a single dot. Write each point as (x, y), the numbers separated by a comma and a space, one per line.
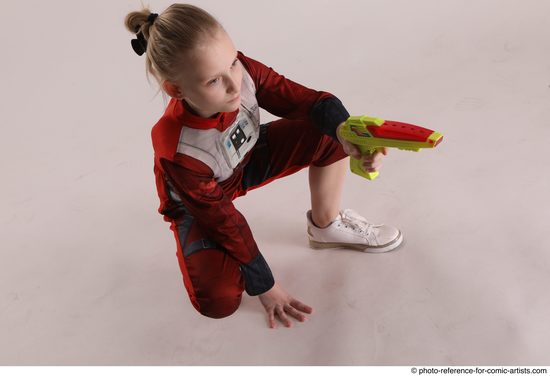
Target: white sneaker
(351, 230)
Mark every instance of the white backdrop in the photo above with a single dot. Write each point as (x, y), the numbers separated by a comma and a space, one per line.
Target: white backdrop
(89, 273)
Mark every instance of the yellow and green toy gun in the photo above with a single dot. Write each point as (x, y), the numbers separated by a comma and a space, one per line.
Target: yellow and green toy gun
(370, 134)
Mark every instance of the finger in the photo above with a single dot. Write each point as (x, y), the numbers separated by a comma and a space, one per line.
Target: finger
(368, 158)
(272, 319)
(376, 156)
(371, 169)
(283, 317)
(351, 150)
(385, 150)
(294, 313)
(379, 156)
(301, 306)
(375, 165)
(369, 166)
(356, 153)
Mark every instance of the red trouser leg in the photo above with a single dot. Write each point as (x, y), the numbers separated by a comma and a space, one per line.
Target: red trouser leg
(211, 276)
(287, 147)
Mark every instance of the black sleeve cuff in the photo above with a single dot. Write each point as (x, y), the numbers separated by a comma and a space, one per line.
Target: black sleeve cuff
(328, 114)
(257, 276)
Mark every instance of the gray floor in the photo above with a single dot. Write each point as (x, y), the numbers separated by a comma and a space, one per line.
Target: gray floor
(89, 274)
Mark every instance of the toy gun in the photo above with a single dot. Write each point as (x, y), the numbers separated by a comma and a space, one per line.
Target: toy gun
(370, 134)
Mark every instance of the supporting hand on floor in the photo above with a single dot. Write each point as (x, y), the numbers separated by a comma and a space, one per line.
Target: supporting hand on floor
(278, 302)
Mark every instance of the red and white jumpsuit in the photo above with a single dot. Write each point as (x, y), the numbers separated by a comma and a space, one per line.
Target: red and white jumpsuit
(201, 165)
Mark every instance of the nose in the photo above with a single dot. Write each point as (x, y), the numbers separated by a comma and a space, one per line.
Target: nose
(232, 86)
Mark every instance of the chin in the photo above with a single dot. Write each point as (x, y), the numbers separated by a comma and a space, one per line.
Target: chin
(234, 106)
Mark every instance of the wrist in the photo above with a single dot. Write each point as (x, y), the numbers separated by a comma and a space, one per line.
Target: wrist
(338, 132)
(270, 290)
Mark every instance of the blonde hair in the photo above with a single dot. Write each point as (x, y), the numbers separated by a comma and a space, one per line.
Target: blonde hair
(176, 31)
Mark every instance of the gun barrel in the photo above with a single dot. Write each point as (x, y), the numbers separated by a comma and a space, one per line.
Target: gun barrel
(368, 131)
(371, 133)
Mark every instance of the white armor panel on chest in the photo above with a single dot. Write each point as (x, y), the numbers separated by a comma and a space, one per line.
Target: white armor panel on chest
(223, 151)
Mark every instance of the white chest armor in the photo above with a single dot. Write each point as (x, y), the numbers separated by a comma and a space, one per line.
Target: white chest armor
(223, 151)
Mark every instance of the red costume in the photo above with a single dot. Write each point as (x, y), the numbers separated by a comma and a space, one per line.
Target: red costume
(202, 165)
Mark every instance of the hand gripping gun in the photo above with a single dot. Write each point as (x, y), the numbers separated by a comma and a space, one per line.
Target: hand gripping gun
(370, 134)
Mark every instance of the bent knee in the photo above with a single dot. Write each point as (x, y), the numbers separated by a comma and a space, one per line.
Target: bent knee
(219, 307)
(219, 298)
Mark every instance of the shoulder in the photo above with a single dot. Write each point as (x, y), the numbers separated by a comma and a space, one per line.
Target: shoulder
(165, 137)
(253, 67)
(165, 134)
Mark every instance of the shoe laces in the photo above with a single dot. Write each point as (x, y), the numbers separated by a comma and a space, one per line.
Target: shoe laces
(352, 219)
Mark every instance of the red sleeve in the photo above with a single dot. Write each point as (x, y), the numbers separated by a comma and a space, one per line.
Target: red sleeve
(219, 220)
(279, 95)
(290, 100)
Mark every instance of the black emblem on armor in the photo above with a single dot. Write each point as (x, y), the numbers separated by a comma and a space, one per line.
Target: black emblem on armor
(238, 138)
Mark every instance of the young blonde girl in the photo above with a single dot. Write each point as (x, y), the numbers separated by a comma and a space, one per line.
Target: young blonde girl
(210, 148)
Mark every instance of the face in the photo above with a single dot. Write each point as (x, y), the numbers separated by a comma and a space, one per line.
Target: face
(211, 80)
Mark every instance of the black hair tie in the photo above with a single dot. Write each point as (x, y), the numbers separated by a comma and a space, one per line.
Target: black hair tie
(151, 18)
(139, 45)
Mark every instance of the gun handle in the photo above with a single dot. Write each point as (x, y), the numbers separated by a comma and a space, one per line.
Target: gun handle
(355, 164)
(355, 167)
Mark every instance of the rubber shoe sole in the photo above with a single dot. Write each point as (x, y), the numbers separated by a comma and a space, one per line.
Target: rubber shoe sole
(360, 247)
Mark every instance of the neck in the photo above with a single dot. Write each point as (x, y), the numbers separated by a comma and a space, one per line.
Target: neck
(197, 112)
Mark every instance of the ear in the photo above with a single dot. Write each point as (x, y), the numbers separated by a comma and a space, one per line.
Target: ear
(172, 89)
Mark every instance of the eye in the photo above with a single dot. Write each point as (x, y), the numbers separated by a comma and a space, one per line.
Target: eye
(217, 79)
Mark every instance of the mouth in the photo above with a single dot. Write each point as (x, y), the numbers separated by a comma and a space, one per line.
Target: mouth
(235, 99)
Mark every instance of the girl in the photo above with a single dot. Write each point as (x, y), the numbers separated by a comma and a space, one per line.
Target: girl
(210, 148)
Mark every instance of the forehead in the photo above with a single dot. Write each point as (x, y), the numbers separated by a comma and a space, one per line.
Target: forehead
(213, 56)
